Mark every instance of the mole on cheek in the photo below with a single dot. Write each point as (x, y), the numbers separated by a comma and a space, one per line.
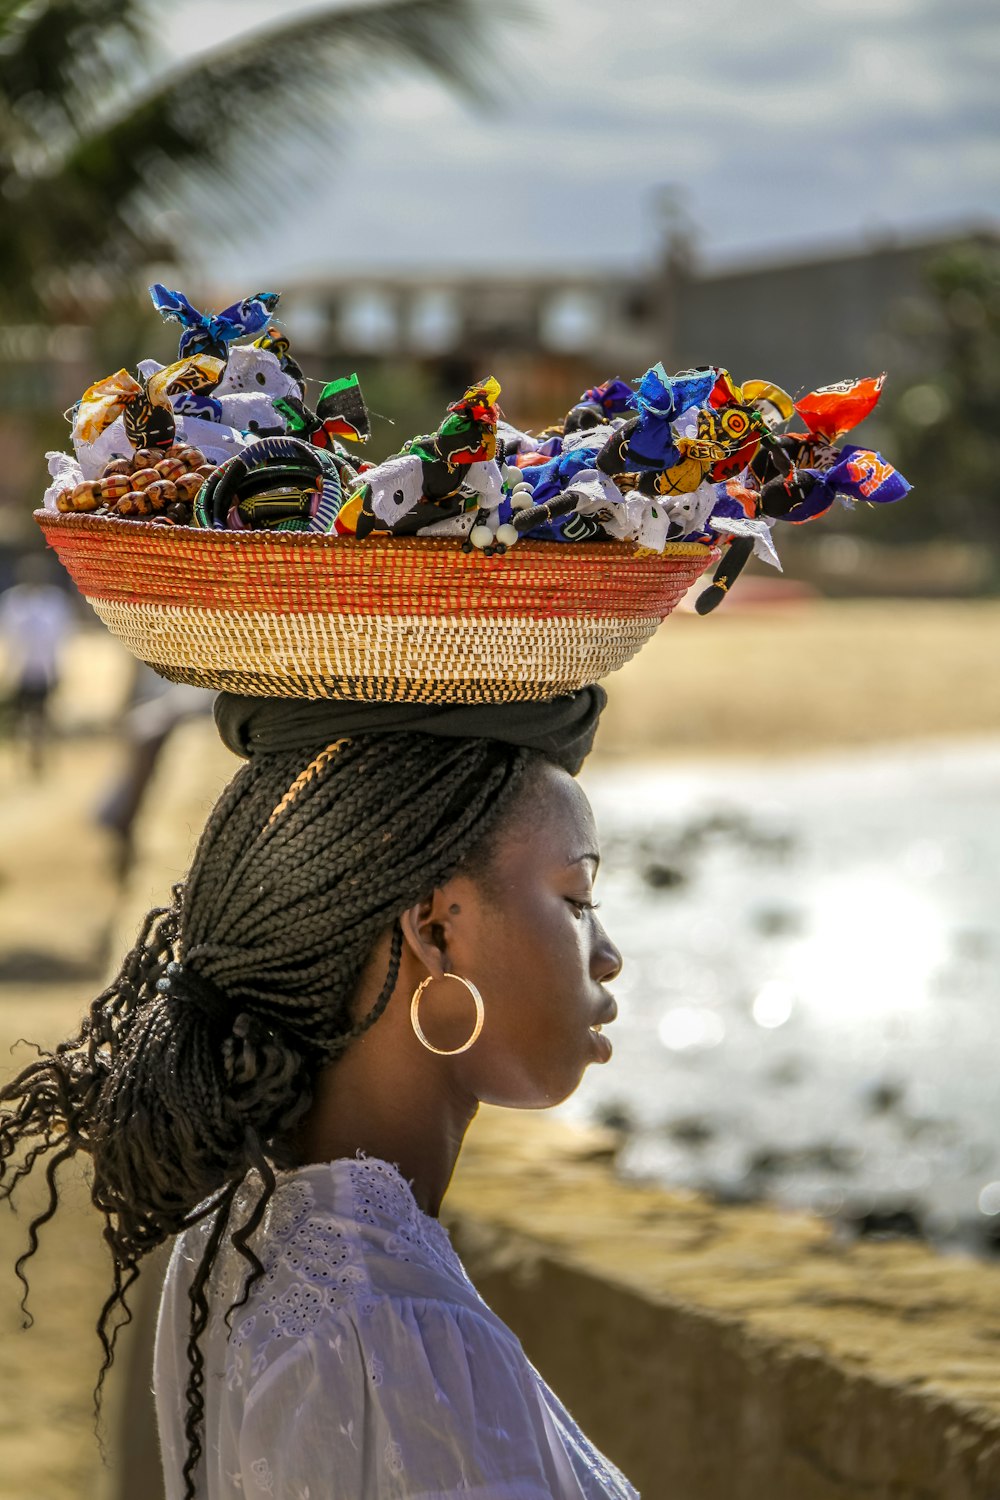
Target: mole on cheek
(454, 909)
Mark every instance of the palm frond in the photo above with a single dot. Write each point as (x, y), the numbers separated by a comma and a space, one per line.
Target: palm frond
(61, 55)
(205, 133)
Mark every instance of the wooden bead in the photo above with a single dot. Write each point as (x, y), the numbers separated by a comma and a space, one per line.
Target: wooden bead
(86, 496)
(146, 458)
(134, 504)
(161, 494)
(206, 470)
(115, 486)
(189, 456)
(117, 466)
(188, 485)
(170, 468)
(64, 501)
(143, 478)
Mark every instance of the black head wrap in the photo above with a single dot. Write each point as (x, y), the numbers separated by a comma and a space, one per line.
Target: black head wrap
(562, 729)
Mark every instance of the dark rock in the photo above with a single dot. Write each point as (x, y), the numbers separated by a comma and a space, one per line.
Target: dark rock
(663, 877)
(691, 1130)
(887, 1221)
(787, 1072)
(777, 921)
(615, 1116)
(885, 1096)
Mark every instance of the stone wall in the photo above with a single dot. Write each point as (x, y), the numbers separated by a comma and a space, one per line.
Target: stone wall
(731, 1353)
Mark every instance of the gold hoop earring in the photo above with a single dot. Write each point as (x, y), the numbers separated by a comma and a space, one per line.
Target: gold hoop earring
(415, 1016)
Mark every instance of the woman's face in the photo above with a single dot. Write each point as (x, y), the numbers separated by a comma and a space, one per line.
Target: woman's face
(526, 933)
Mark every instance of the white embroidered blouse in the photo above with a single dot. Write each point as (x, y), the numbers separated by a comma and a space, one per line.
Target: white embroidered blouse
(365, 1365)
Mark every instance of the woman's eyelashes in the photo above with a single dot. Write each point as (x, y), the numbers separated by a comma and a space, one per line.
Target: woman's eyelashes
(581, 905)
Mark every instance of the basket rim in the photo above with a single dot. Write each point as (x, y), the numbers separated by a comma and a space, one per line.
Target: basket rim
(376, 542)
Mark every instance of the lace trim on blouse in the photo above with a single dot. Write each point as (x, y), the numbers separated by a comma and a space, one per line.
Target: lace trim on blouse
(312, 1261)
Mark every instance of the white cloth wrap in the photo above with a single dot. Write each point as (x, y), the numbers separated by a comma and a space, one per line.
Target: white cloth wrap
(759, 530)
(66, 474)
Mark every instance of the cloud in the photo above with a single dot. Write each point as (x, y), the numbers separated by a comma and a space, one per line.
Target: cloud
(781, 125)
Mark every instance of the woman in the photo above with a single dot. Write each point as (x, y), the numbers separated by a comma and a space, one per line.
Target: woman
(389, 919)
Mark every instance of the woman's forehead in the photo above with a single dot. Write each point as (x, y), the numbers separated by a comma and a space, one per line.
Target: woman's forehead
(555, 818)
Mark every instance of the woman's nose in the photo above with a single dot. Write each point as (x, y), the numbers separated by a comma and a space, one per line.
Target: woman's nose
(606, 963)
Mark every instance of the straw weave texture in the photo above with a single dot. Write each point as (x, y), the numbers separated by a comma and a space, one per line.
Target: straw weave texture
(397, 619)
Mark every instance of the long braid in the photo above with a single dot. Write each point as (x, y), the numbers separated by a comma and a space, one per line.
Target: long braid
(306, 861)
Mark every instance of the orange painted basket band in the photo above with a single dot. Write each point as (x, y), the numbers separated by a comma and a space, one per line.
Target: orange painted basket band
(404, 618)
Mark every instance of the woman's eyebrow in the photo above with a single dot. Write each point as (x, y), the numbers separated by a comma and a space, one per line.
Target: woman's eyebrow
(578, 859)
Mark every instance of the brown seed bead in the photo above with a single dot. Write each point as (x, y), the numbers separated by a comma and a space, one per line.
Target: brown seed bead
(188, 485)
(170, 468)
(115, 486)
(146, 458)
(86, 496)
(143, 478)
(179, 513)
(161, 494)
(118, 466)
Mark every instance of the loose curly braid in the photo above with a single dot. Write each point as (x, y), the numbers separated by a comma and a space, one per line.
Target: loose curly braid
(202, 1053)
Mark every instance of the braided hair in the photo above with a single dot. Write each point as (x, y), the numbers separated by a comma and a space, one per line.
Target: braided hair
(201, 1054)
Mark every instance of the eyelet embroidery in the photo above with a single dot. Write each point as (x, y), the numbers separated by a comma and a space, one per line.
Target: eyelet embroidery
(312, 1261)
(381, 1194)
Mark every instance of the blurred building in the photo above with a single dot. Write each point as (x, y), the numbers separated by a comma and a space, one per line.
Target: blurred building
(545, 336)
(805, 321)
(801, 321)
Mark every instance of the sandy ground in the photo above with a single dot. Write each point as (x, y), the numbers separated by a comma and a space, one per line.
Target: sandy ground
(743, 683)
(56, 893)
(806, 678)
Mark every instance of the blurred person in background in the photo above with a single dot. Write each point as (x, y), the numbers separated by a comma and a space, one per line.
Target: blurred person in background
(156, 708)
(36, 621)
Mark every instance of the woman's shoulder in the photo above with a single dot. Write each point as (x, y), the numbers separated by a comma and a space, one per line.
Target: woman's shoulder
(338, 1316)
(341, 1245)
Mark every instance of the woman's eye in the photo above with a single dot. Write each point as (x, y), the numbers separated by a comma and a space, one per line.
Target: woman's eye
(582, 906)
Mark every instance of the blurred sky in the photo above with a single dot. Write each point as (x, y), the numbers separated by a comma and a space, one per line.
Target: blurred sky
(782, 127)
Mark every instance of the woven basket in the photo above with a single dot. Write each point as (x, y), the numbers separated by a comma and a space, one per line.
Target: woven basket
(403, 619)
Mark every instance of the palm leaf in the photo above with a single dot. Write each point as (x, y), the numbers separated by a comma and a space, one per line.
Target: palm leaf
(195, 137)
(57, 57)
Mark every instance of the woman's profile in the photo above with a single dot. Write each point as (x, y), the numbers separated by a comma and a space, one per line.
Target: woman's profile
(389, 920)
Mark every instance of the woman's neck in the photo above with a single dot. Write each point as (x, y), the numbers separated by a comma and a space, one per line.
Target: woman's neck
(374, 1100)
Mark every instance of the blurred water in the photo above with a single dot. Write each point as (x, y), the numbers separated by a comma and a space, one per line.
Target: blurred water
(809, 1006)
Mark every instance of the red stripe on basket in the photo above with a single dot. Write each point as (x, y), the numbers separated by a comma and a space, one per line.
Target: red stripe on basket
(135, 562)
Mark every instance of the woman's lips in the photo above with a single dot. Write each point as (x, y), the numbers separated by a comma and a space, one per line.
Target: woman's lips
(602, 1047)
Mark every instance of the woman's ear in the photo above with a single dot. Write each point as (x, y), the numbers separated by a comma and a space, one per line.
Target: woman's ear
(425, 932)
